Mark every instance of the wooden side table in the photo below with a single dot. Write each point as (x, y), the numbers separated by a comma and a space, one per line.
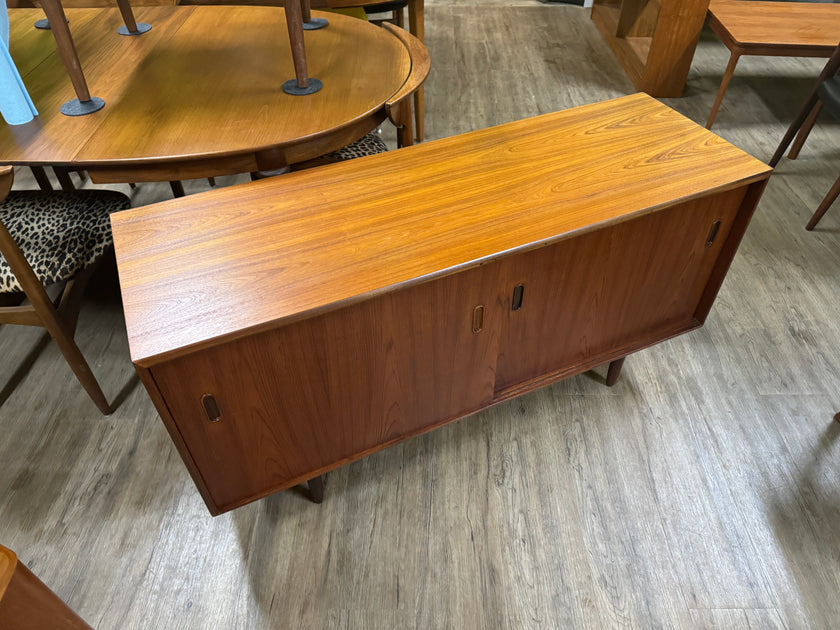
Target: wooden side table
(780, 29)
(27, 604)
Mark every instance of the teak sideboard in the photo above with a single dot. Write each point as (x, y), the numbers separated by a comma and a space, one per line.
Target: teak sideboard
(288, 326)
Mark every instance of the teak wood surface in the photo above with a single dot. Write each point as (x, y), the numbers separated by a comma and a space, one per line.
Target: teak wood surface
(26, 603)
(780, 29)
(200, 94)
(218, 266)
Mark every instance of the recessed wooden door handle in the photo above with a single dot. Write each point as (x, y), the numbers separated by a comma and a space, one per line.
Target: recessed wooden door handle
(518, 293)
(478, 318)
(211, 407)
(713, 233)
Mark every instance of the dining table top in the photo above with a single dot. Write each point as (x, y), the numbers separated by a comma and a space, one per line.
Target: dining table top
(200, 94)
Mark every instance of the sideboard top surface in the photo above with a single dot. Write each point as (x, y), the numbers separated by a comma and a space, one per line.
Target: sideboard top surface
(210, 267)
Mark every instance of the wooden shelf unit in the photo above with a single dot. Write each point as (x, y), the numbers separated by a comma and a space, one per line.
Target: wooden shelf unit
(292, 325)
(653, 40)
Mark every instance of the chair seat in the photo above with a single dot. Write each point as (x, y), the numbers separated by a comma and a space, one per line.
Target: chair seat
(59, 233)
(370, 144)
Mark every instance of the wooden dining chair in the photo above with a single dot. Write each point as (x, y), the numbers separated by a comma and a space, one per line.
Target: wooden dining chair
(26, 603)
(824, 95)
(53, 238)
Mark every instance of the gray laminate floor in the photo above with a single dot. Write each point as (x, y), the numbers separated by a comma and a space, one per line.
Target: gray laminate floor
(703, 491)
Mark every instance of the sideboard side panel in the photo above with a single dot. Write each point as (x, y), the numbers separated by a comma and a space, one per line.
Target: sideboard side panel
(730, 247)
(171, 427)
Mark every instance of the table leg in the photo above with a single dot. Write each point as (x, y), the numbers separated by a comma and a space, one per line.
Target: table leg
(302, 83)
(804, 131)
(415, 27)
(724, 83)
(83, 103)
(131, 26)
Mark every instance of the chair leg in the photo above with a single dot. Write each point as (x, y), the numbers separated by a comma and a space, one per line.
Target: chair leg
(724, 83)
(41, 177)
(824, 206)
(80, 368)
(830, 69)
(63, 176)
(614, 371)
(804, 131)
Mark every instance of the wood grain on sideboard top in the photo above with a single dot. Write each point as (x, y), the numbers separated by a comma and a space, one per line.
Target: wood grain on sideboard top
(215, 266)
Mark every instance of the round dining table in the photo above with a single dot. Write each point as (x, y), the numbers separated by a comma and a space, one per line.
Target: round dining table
(199, 95)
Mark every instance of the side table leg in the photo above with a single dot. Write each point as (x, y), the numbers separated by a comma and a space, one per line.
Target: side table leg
(614, 371)
(724, 83)
(804, 131)
(316, 489)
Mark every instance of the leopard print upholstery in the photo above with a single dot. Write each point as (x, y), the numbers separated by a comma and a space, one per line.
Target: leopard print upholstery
(370, 144)
(59, 233)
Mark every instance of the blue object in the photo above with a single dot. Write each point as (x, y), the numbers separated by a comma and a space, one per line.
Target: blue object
(15, 105)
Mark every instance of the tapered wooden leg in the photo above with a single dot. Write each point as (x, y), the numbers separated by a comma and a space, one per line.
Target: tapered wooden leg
(132, 26)
(316, 489)
(804, 130)
(416, 26)
(66, 48)
(824, 206)
(400, 115)
(81, 369)
(63, 176)
(41, 177)
(294, 22)
(177, 188)
(614, 371)
(829, 70)
(127, 15)
(724, 83)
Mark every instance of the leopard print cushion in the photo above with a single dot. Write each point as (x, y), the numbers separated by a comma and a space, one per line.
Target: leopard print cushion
(59, 233)
(370, 144)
